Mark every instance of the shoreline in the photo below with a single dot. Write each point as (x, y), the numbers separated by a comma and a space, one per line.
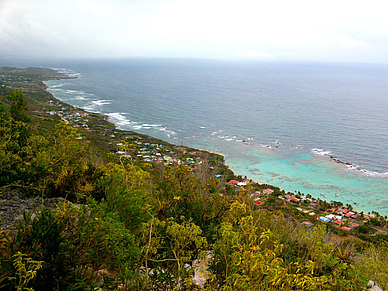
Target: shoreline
(138, 200)
(120, 121)
(233, 168)
(106, 118)
(115, 127)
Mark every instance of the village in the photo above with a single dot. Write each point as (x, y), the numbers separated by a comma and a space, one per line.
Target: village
(142, 148)
(312, 211)
(67, 114)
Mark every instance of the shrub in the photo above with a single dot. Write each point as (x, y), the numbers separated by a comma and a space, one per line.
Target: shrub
(40, 239)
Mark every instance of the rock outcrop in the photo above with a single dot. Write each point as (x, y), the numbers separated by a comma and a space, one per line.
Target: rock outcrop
(13, 204)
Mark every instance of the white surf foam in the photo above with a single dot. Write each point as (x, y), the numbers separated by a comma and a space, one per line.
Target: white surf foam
(118, 119)
(73, 92)
(350, 166)
(366, 172)
(321, 152)
(101, 102)
(151, 125)
(67, 72)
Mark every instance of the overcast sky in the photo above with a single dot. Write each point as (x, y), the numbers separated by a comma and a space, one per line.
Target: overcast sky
(339, 31)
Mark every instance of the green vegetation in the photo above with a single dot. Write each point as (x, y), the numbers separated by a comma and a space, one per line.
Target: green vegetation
(132, 224)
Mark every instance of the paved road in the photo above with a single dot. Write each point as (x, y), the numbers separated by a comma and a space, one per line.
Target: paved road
(381, 229)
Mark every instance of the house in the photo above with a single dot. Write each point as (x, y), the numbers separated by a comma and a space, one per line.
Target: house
(338, 222)
(324, 219)
(346, 228)
(232, 182)
(293, 199)
(268, 191)
(330, 216)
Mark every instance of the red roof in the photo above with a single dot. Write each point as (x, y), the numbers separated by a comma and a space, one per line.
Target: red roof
(258, 203)
(338, 222)
(293, 199)
(349, 214)
(232, 182)
(346, 228)
(355, 224)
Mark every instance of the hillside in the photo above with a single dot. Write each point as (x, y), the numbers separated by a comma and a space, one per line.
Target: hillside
(117, 210)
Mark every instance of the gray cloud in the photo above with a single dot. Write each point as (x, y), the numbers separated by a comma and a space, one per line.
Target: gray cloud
(264, 30)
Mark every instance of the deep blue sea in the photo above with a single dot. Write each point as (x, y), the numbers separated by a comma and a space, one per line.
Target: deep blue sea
(278, 123)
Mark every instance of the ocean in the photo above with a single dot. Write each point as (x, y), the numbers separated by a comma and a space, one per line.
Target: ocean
(321, 129)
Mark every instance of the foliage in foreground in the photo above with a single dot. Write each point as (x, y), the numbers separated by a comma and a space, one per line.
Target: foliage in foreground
(260, 251)
(53, 164)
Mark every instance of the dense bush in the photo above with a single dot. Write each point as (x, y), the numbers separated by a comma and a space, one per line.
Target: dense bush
(256, 251)
(40, 239)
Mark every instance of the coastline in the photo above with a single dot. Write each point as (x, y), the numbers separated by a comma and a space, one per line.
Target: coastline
(287, 183)
(237, 169)
(270, 210)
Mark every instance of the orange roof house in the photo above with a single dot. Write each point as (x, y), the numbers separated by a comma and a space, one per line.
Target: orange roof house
(346, 228)
(232, 182)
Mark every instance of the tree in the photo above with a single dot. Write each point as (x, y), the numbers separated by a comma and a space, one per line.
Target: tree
(169, 248)
(18, 106)
(3, 113)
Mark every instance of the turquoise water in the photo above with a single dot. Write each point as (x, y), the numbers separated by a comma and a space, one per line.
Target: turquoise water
(275, 123)
(298, 171)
